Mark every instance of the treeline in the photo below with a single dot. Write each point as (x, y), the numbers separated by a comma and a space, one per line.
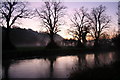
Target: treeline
(28, 38)
(94, 23)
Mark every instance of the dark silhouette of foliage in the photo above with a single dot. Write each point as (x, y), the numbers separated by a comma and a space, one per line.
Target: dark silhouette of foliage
(116, 41)
(11, 11)
(29, 38)
(98, 73)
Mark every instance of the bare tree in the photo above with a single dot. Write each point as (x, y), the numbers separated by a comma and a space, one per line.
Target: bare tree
(99, 22)
(118, 13)
(80, 26)
(116, 37)
(50, 15)
(10, 12)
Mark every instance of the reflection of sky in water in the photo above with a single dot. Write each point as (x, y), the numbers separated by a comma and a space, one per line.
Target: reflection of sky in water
(34, 68)
(106, 58)
(62, 66)
(90, 59)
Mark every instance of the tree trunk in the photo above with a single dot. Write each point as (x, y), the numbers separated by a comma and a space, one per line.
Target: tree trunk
(52, 43)
(7, 45)
(84, 37)
(79, 44)
(51, 68)
(96, 43)
(52, 38)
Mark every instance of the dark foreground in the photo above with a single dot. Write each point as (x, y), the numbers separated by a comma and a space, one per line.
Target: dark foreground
(111, 72)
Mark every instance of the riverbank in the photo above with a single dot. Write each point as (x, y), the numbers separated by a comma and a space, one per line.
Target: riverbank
(108, 72)
(27, 52)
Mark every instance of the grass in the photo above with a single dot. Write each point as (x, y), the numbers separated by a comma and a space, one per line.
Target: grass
(108, 72)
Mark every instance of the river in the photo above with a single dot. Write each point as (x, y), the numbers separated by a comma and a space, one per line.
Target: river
(56, 67)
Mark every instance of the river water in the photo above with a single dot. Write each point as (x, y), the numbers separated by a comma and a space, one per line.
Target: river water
(57, 67)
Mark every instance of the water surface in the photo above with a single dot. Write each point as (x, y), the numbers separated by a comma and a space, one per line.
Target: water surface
(59, 67)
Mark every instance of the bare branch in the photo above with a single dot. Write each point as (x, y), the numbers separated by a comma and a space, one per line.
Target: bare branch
(99, 21)
(12, 10)
(50, 14)
(80, 22)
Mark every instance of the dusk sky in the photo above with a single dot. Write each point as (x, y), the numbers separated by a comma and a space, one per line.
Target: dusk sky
(71, 6)
(39, 42)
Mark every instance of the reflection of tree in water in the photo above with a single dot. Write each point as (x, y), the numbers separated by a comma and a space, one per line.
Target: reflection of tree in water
(51, 59)
(105, 59)
(86, 61)
(95, 60)
(81, 61)
(61, 66)
(6, 65)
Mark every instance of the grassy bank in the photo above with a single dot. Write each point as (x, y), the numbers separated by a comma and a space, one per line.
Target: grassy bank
(109, 72)
(44, 52)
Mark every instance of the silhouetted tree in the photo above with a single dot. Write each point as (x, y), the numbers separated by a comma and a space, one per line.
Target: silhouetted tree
(86, 30)
(80, 26)
(118, 13)
(116, 39)
(51, 14)
(11, 11)
(99, 22)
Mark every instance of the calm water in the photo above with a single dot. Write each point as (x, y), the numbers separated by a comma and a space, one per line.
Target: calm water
(57, 67)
